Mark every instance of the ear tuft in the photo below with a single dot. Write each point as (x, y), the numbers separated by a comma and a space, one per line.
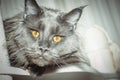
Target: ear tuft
(82, 7)
(74, 15)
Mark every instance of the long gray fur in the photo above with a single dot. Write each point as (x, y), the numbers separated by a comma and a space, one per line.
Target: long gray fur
(24, 50)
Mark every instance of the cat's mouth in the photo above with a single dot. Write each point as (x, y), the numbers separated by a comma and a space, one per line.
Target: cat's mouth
(37, 59)
(43, 61)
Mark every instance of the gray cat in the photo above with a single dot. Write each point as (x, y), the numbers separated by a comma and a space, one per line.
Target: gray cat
(43, 40)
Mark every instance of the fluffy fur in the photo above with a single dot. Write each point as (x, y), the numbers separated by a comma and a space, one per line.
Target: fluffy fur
(25, 51)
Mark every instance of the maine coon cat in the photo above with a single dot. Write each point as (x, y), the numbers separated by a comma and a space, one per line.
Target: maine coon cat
(43, 40)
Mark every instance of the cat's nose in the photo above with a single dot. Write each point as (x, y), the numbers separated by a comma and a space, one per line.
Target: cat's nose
(43, 50)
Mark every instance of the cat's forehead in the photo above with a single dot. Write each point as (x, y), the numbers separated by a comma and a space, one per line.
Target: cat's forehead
(50, 25)
(49, 22)
(50, 17)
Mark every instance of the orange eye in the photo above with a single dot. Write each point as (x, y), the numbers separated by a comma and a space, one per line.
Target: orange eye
(35, 34)
(57, 39)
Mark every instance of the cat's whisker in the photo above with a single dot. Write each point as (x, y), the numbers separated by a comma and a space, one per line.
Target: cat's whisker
(59, 65)
(63, 62)
(56, 60)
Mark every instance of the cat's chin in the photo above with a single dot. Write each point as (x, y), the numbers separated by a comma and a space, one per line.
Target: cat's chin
(39, 62)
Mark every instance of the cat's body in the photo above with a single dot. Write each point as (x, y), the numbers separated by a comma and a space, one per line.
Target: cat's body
(44, 40)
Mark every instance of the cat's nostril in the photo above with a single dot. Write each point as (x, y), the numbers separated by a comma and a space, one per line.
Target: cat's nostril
(43, 50)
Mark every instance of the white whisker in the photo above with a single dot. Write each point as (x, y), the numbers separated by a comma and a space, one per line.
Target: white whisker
(59, 65)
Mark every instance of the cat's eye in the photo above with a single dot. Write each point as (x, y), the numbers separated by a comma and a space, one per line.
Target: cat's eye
(35, 34)
(57, 39)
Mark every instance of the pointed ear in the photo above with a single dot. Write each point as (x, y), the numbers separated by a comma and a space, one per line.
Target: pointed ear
(73, 16)
(31, 8)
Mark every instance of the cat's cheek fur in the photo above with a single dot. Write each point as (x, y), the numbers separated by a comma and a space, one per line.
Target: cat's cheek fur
(64, 48)
(19, 60)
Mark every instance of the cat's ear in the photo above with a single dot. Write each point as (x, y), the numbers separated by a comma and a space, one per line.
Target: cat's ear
(31, 8)
(74, 15)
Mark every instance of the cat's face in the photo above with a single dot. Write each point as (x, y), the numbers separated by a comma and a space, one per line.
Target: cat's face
(48, 36)
(48, 40)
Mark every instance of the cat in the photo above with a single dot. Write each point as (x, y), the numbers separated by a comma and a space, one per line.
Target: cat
(43, 40)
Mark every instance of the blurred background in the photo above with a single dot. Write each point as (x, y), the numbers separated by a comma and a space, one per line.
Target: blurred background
(104, 13)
